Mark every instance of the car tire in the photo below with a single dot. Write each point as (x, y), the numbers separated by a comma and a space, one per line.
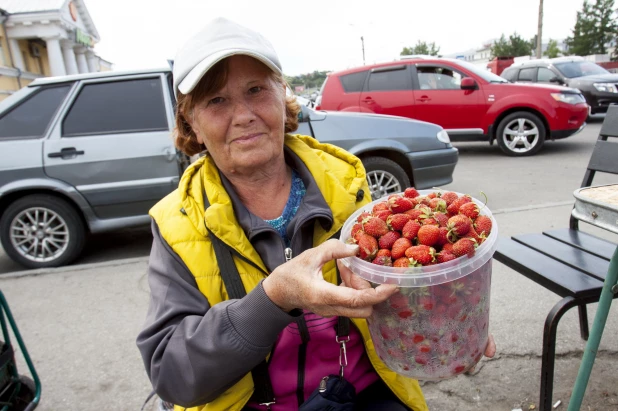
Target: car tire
(41, 230)
(511, 138)
(384, 177)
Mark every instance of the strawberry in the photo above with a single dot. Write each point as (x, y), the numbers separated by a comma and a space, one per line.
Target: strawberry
(383, 253)
(422, 201)
(387, 240)
(425, 348)
(441, 218)
(426, 303)
(474, 235)
(449, 197)
(457, 368)
(368, 247)
(400, 204)
(406, 313)
(362, 216)
(398, 301)
(433, 195)
(453, 209)
(447, 248)
(410, 192)
(399, 248)
(410, 230)
(444, 256)
(383, 205)
(483, 225)
(356, 228)
(442, 237)
(437, 204)
(383, 260)
(458, 226)
(375, 227)
(422, 254)
(428, 235)
(404, 262)
(415, 213)
(464, 246)
(418, 338)
(470, 210)
(387, 333)
(421, 359)
(398, 221)
(383, 214)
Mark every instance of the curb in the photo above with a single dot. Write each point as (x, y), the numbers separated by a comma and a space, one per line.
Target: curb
(70, 268)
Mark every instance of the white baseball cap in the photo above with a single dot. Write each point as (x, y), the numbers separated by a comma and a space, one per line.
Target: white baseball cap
(221, 38)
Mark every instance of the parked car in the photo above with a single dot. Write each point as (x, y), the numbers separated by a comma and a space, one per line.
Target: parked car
(93, 152)
(471, 103)
(596, 83)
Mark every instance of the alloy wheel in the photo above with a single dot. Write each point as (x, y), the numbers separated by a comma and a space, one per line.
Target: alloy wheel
(521, 135)
(382, 183)
(39, 234)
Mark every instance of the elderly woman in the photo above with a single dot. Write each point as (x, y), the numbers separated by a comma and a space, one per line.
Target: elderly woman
(264, 206)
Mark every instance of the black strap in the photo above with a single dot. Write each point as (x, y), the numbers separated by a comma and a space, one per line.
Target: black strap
(343, 323)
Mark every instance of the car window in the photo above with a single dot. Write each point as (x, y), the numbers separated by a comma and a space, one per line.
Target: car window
(385, 79)
(545, 74)
(354, 82)
(579, 68)
(509, 74)
(438, 78)
(31, 118)
(117, 107)
(526, 74)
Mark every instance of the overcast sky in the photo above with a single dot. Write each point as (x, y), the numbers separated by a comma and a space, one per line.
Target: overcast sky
(321, 34)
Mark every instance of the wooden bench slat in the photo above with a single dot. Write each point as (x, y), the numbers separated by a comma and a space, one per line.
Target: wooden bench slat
(546, 271)
(571, 256)
(584, 241)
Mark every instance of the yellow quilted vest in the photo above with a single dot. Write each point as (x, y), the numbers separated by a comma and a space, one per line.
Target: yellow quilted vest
(338, 174)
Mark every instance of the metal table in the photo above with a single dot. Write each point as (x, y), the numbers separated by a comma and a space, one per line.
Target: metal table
(597, 206)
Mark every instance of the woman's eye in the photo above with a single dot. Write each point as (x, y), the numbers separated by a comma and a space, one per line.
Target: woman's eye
(254, 90)
(216, 100)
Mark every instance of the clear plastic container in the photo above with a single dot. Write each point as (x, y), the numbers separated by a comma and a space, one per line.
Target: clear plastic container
(436, 326)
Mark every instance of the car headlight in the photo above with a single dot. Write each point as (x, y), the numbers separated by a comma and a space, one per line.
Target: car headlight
(606, 87)
(443, 137)
(569, 98)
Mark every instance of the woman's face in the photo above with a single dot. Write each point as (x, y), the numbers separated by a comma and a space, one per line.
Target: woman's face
(242, 125)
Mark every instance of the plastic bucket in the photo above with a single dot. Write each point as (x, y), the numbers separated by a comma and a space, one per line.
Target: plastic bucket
(436, 326)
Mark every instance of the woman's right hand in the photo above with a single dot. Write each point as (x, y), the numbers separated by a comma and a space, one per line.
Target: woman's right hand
(299, 284)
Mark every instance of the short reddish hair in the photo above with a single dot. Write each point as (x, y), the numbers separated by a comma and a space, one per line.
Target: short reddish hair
(184, 136)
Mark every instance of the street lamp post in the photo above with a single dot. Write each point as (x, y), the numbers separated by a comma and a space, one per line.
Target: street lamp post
(363, 47)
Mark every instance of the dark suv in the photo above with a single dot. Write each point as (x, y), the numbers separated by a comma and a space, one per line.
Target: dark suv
(598, 85)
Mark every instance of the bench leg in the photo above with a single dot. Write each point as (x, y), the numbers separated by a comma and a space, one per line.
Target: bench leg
(549, 350)
(583, 321)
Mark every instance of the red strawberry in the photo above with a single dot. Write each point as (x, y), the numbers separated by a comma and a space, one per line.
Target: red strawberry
(437, 204)
(383, 214)
(415, 213)
(443, 237)
(453, 209)
(387, 240)
(458, 368)
(424, 201)
(398, 221)
(433, 195)
(454, 337)
(428, 234)
(458, 226)
(447, 248)
(483, 225)
(383, 253)
(418, 338)
(444, 256)
(422, 254)
(410, 230)
(387, 333)
(426, 302)
(380, 207)
(403, 262)
(464, 246)
(441, 218)
(398, 301)
(368, 247)
(449, 197)
(406, 313)
(470, 210)
(410, 192)
(399, 248)
(362, 216)
(355, 229)
(474, 235)
(421, 359)
(375, 227)
(425, 348)
(430, 221)
(400, 204)
(383, 260)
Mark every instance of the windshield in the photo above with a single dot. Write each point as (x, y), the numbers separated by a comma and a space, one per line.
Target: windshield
(481, 72)
(579, 68)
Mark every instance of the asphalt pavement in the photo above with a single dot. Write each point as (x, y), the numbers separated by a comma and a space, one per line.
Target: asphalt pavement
(79, 323)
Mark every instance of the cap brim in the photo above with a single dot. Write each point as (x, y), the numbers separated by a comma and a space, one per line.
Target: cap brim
(195, 75)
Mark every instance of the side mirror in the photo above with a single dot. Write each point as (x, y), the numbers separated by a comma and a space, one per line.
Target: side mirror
(468, 83)
(556, 79)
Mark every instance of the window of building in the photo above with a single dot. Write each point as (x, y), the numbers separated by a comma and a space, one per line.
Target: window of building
(31, 118)
(117, 107)
(396, 78)
(2, 60)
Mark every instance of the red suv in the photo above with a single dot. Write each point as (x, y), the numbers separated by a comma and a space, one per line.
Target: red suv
(471, 103)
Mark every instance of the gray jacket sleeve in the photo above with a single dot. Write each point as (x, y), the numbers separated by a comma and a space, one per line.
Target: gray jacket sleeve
(194, 352)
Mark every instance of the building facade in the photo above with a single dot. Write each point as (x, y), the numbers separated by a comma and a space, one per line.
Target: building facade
(40, 38)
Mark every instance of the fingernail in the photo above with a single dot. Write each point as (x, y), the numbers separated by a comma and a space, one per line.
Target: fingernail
(352, 247)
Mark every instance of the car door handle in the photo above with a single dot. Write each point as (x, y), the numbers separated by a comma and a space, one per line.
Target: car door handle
(368, 100)
(423, 99)
(69, 152)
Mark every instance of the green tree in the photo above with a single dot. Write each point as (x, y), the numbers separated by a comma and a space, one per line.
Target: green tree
(421, 48)
(552, 49)
(594, 28)
(515, 46)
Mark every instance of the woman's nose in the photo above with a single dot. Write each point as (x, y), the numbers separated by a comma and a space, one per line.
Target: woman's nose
(243, 112)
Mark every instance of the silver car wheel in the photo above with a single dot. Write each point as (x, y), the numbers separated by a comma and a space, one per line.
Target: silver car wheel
(382, 183)
(521, 135)
(39, 234)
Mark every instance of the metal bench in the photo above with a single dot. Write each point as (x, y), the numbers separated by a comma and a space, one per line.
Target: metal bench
(567, 261)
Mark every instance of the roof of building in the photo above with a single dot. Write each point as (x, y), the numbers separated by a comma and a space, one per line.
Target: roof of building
(29, 6)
